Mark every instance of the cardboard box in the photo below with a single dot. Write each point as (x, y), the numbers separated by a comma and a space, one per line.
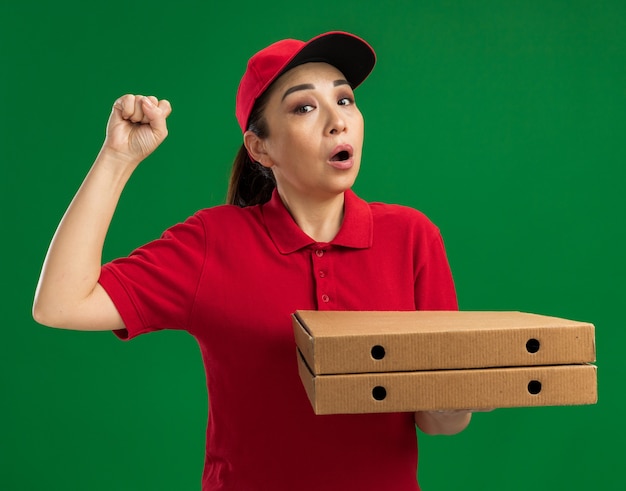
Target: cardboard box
(434, 390)
(367, 362)
(362, 342)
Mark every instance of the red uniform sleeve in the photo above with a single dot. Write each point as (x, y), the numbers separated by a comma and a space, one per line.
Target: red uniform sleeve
(155, 287)
(434, 284)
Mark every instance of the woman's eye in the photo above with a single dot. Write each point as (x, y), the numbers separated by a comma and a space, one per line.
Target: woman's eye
(306, 108)
(345, 101)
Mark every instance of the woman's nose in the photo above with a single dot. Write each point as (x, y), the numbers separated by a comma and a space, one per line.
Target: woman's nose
(336, 122)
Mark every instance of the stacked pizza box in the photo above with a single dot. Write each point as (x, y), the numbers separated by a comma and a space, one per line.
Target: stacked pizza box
(367, 362)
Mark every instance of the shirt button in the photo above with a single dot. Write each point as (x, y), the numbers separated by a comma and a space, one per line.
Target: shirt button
(325, 298)
(322, 274)
(319, 253)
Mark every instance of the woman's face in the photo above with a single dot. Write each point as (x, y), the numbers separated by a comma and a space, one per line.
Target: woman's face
(315, 133)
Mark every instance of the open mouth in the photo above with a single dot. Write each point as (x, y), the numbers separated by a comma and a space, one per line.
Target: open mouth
(340, 156)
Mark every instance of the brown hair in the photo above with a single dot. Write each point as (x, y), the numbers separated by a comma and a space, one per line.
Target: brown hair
(251, 183)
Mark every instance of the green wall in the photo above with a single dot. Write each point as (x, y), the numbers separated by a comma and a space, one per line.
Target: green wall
(502, 120)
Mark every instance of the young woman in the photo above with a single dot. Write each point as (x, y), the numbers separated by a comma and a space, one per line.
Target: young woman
(294, 236)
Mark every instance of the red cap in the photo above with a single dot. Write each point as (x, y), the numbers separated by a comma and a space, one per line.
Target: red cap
(347, 52)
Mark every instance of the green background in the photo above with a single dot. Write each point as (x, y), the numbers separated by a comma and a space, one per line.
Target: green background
(501, 120)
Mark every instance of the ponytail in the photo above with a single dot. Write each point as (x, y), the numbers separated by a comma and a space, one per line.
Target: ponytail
(251, 183)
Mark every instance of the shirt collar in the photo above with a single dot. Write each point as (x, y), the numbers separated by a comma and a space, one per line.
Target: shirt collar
(356, 230)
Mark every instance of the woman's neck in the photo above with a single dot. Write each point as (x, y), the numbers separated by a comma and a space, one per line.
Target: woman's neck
(319, 219)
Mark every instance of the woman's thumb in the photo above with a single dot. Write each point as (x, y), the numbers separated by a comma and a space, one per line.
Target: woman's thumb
(156, 112)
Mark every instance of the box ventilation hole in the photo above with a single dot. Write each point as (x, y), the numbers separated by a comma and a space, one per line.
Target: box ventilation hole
(378, 352)
(533, 345)
(379, 393)
(534, 387)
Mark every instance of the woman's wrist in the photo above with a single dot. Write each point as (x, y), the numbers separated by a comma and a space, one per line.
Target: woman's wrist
(120, 167)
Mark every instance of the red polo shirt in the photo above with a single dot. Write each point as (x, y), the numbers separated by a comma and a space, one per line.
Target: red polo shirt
(231, 277)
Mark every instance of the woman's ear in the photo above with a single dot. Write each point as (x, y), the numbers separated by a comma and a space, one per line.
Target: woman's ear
(256, 148)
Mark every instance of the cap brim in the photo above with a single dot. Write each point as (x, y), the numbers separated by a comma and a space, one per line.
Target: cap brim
(350, 54)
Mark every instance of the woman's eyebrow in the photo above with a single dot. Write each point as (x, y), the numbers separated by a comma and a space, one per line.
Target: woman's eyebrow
(295, 88)
(339, 82)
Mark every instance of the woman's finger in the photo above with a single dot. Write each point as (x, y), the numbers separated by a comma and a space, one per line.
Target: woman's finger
(137, 116)
(126, 105)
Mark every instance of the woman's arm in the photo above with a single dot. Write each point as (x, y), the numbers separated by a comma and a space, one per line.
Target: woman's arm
(68, 294)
